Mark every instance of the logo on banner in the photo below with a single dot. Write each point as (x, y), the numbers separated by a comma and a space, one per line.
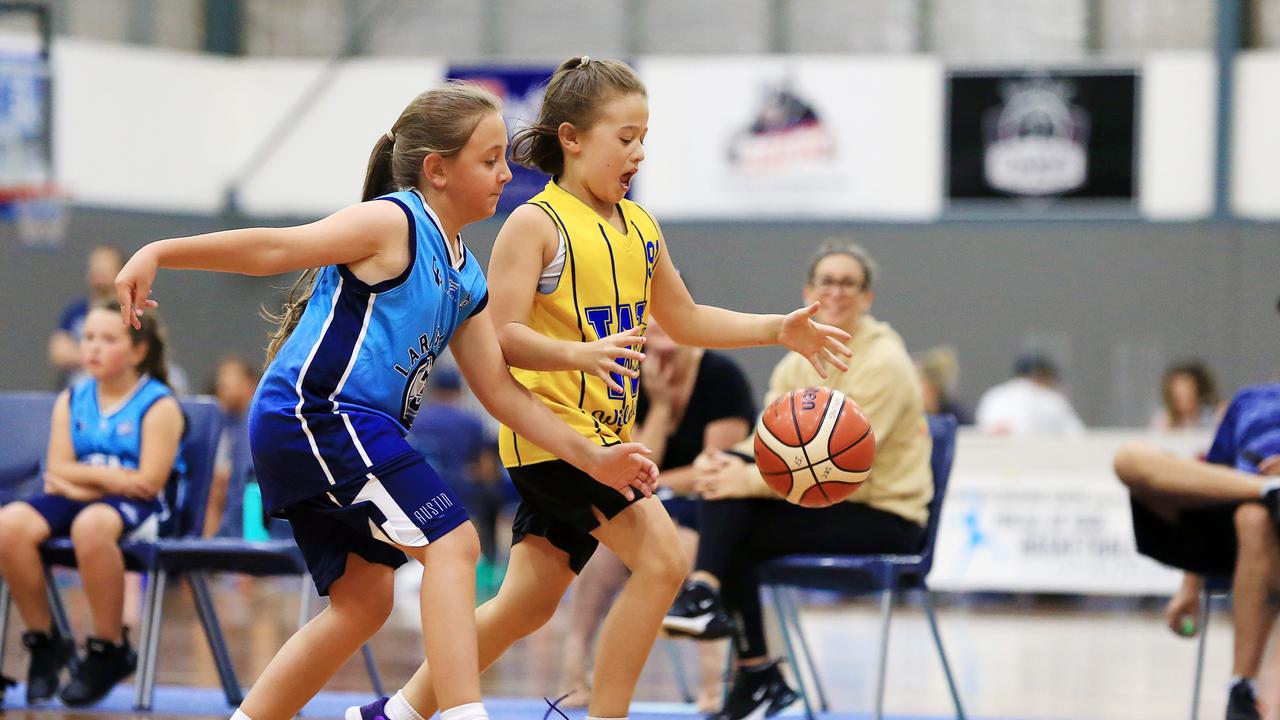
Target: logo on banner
(1036, 140)
(786, 133)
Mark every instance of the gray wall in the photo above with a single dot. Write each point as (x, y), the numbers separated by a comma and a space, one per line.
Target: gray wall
(1113, 301)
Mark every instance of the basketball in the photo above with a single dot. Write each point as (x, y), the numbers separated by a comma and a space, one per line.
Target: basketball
(814, 446)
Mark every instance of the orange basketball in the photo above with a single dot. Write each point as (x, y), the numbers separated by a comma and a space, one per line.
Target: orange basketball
(814, 446)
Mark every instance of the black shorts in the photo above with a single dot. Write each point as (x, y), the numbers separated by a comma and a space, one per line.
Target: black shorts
(1200, 541)
(556, 501)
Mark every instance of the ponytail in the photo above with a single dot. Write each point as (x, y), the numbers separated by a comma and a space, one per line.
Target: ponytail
(377, 178)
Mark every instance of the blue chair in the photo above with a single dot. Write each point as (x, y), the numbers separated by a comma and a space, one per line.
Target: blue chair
(887, 575)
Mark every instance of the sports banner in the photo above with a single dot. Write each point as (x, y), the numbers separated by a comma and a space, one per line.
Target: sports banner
(792, 137)
(1041, 136)
(520, 87)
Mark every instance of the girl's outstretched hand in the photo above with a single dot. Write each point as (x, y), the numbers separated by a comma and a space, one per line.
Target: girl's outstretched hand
(820, 344)
(600, 358)
(625, 467)
(133, 287)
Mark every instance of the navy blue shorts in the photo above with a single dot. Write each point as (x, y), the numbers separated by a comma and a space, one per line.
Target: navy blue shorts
(404, 502)
(683, 509)
(141, 517)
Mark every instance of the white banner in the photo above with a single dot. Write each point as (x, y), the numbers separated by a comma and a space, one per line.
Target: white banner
(793, 137)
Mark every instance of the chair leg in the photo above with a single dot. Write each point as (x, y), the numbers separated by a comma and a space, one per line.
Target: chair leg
(153, 610)
(56, 607)
(886, 615)
(6, 601)
(677, 668)
(371, 665)
(208, 615)
(788, 597)
(942, 654)
(1204, 634)
(784, 622)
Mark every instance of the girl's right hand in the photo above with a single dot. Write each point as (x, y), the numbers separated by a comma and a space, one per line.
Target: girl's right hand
(133, 286)
(600, 358)
(625, 467)
(1183, 607)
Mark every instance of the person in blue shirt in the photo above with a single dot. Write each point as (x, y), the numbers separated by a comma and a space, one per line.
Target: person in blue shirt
(1218, 518)
(455, 441)
(103, 263)
(388, 285)
(113, 447)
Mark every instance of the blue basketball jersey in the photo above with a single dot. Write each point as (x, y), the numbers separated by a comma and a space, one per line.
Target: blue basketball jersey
(1250, 429)
(347, 384)
(114, 439)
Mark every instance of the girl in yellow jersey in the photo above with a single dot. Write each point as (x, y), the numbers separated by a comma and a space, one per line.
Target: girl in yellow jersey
(575, 273)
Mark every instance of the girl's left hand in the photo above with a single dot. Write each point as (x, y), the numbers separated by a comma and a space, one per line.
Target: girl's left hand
(133, 287)
(719, 476)
(820, 344)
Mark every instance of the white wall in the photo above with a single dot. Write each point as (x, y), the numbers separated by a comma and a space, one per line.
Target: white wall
(167, 130)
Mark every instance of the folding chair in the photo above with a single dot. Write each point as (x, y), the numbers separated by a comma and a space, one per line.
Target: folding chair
(1213, 585)
(887, 575)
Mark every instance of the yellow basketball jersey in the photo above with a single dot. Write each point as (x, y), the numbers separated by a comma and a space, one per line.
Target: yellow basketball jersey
(603, 289)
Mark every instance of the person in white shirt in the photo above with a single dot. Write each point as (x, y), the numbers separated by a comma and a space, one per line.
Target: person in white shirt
(1029, 404)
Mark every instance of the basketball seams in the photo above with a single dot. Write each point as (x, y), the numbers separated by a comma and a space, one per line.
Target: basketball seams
(803, 448)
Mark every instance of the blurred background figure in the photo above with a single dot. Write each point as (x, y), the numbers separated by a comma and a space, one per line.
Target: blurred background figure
(939, 368)
(1029, 404)
(234, 384)
(64, 343)
(1189, 398)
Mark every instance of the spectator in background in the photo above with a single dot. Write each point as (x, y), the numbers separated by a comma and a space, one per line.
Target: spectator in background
(235, 381)
(938, 370)
(1189, 398)
(103, 264)
(1029, 404)
(456, 443)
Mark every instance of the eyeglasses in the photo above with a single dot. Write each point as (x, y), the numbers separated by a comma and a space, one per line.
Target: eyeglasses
(830, 283)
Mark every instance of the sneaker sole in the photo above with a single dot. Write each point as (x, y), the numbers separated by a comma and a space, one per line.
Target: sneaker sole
(695, 627)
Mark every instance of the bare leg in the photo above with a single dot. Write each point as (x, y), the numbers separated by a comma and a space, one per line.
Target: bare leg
(1167, 483)
(95, 535)
(645, 539)
(1255, 600)
(359, 603)
(597, 585)
(22, 529)
(536, 579)
(448, 614)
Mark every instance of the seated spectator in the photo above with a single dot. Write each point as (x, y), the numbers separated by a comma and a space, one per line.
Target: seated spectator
(938, 369)
(1188, 398)
(1029, 404)
(235, 381)
(103, 264)
(742, 522)
(1218, 518)
(113, 447)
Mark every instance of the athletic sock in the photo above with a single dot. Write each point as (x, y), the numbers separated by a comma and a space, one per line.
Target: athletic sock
(470, 711)
(239, 715)
(398, 708)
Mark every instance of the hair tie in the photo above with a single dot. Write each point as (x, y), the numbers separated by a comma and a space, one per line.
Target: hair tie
(391, 135)
(586, 60)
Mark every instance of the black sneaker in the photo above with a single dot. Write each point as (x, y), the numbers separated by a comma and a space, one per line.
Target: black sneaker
(50, 653)
(1241, 702)
(758, 692)
(698, 613)
(104, 665)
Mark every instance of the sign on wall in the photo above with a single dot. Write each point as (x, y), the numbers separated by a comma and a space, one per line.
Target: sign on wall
(1037, 136)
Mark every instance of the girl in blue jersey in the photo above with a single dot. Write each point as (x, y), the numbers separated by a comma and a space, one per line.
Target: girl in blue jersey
(589, 137)
(113, 446)
(344, 381)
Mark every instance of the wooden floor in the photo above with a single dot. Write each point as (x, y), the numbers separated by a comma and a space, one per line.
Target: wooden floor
(1013, 657)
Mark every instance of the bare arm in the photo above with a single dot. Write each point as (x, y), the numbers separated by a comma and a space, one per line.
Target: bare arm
(350, 235)
(689, 323)
(527, 243)
(64, 354)
(161, 432)
(62, 453)
(475, 346)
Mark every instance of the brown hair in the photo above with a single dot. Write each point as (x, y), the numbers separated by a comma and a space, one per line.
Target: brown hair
(152, 333)
(573, 95)
(438, 121)
(840, 246)
(1206, 388)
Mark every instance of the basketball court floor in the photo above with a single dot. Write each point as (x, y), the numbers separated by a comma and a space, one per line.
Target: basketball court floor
(1014, 657)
